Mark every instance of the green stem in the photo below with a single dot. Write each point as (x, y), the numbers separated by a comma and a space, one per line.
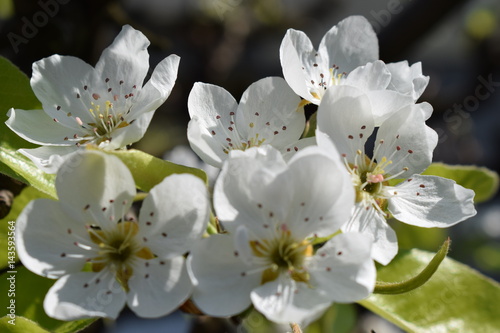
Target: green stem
(392, 288)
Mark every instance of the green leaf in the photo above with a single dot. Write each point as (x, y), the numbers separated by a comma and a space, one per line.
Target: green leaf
(19, 325)
(148, 170)
(29, 291)
(27, 194)
(339, 318)
(482, 180)
(456, 299)
(393, 288)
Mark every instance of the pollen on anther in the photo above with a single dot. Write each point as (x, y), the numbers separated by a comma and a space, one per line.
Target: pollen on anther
(164, 234)
(296, 148)
(217, 117)
(85, 87)
(86, 285)
(103, 209)
(236, 253)
(271, 214)
(77, 95)
(148, 223)
(230, 128)
(409, 179)
(243, 274)
(257, 114)
(268, 123)
(398, 148)
(152, 214)
(213, 132)
(63, 254)
(363, 127)
(350, 137)
(360, 135)
(259, 205)
(96, 96)
(121, 82)
(231, 113)
(228, 139)
(410, 151)
(284, 128)
(422, 185)
(276, 132)
(418, 193)
(339, 253)
(86, 207)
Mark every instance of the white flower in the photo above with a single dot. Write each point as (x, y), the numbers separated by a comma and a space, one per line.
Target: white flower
(105, 106)
(102, 261)
(274, 212)
(348, 55)
(403, 149)
(268, 113)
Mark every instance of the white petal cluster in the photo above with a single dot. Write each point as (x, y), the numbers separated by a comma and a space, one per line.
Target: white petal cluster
(106, 106)
(103, 261)
(300, 220)
(274, 211)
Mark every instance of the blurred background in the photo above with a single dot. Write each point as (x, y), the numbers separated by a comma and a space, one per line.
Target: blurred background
(232, 43)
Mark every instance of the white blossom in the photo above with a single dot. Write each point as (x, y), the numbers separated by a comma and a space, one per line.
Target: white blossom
(103, 261)
(107, 106)
(274, 212)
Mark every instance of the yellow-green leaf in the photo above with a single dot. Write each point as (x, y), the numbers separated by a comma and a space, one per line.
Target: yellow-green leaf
(456, 299)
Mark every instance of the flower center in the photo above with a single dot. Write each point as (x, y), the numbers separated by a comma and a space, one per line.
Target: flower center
(252, 142)
(318, 87)
(118, 249)
(102, 118)
(283, 254)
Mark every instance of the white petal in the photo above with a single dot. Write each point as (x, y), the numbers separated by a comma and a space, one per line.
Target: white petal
(350, 44)
(216, 270)
(158, 88)
(174, 215)
(95, 188)
(372, 76)
(125, 59)
(212, 109)
(269, 111)
(295, 50)
(210, 150)
(345, 116)
(158, 287)
(289, 151)
(45, 238)
(57, 81)
(323, 195)
(407, 141)
(249, 191)
(84, 295)
(431, 201)
(37, 127)
(49, 159)
(385, 103)
(408, 80)
(343, 268)
(285, 301)
(373, 224)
